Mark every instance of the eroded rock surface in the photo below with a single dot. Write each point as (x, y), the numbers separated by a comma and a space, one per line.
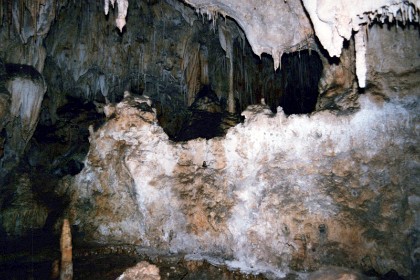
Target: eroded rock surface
(276, 193)
(142, 270)
(21, 94)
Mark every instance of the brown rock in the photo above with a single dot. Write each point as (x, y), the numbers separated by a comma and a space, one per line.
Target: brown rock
(143, 270)
(66, 269)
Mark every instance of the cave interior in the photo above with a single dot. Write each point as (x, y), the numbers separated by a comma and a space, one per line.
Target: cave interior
(213, 140)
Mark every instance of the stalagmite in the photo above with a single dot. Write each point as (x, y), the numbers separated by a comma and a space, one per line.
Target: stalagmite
(66, 269)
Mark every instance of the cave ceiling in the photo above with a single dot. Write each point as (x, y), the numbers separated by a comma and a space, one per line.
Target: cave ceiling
(281, 26)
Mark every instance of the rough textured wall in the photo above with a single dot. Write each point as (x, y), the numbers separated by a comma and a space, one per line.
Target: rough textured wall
(277, 192)
(24, 26)
(336, 21)
(21, 93)
(167, 51)
(273, 28)
(90, 59)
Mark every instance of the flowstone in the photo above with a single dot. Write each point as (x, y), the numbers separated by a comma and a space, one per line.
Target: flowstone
(277, 193)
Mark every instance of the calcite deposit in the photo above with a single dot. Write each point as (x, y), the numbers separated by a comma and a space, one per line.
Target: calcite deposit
(333, 22)
(276, 193)
(332, 188)
(21, 95)
(66, 264)
(142, 270)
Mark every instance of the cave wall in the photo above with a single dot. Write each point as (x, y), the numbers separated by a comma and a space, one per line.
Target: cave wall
(161, 53)
(24, 27)
(168, 55)
(167, 51)
(276, 193)
(337, 187)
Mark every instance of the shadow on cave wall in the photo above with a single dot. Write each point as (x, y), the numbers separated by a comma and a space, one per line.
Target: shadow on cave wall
(294, 88)
(301, 72)
(162, 56)
(207, 117)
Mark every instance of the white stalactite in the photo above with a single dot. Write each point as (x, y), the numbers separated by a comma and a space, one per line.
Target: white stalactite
(360, 46)
(27, 97)
(122, 11)
(334, 21)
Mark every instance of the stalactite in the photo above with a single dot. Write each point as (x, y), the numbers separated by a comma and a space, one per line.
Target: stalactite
(139, 69)
(154, 41)
(360, 46)
(36, 14)
(26, 103)
(192, 72)
(10, 15)
(204, 65)
(231, 98)
(1, 13)
(54, 5)
(226, 42)
(122, 11)
(21, 15)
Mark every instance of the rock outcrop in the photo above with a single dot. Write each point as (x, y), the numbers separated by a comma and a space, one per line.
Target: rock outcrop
(142, 270)
(20, 106)
(336, 187)
(276, 193)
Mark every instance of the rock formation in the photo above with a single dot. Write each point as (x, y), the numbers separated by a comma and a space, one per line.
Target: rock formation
(278, 190)
(333, 23)
(23, 92)
(142, 270)
(66, 264)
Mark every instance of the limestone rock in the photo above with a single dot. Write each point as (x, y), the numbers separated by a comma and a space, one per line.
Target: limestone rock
(26, 88)
(336, 273)
(143, 270)
(334, 21)
(21, 212)
(22, 40)
(337, 88)
(276, 193)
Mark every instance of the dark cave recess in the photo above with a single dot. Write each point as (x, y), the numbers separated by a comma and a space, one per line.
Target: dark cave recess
(301, 72)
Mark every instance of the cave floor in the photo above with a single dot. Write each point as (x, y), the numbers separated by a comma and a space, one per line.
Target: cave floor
(34, 260)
